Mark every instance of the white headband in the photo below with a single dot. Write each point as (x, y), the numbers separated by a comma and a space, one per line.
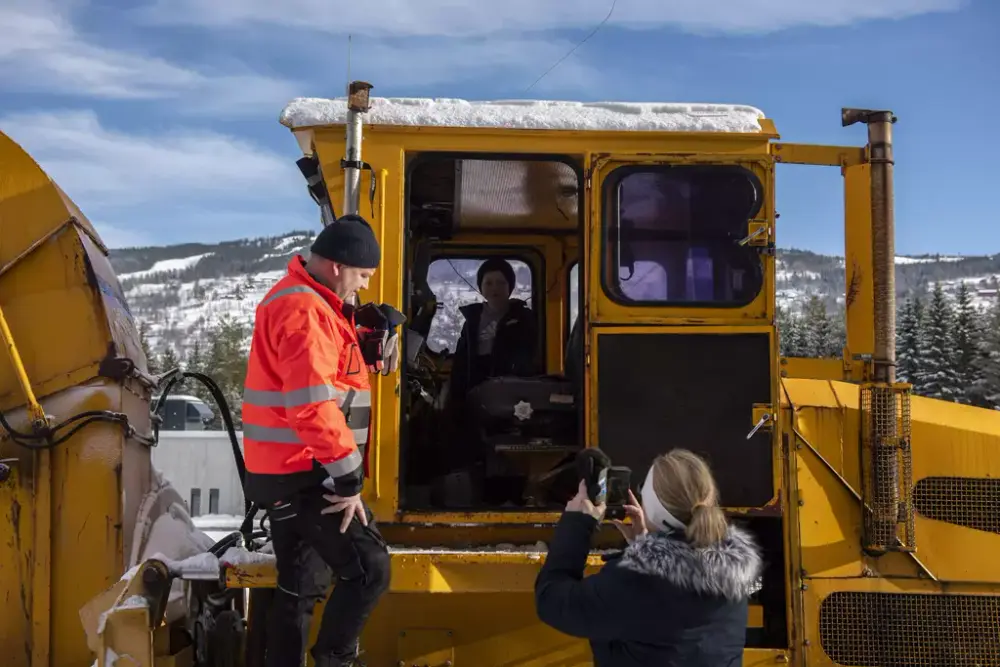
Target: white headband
(656, 514)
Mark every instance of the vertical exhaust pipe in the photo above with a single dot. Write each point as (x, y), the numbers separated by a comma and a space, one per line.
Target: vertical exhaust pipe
(357, 105)
(886, 461)
(879, 124)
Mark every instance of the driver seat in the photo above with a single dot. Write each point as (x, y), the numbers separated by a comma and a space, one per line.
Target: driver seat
(513, 410)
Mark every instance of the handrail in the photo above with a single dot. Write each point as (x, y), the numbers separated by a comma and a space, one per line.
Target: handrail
(383, 175)
(34, 408)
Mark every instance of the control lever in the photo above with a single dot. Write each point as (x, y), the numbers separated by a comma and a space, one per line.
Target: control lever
(754, 234)
(763, 420)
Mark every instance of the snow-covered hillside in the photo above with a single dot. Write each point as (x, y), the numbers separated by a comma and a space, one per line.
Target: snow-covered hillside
(800, 274)
(180, 292)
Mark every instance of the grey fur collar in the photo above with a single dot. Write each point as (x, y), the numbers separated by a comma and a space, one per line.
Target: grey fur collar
(730, 569)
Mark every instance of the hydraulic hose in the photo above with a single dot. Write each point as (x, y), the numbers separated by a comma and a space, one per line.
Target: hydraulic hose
(174, 377)
(46, 438)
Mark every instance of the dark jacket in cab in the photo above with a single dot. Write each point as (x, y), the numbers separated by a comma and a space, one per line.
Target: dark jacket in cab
(662, 603)
(513, 352)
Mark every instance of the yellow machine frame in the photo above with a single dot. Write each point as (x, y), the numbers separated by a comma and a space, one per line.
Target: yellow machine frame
(930, 565)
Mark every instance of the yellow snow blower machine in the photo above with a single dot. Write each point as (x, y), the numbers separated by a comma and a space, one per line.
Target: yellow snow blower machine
(643, 240)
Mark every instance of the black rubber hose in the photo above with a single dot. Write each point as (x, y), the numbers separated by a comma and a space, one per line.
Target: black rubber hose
(47, 440)
(176, 376)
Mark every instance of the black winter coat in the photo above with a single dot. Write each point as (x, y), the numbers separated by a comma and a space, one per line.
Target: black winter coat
(513, 348)
(661, 603)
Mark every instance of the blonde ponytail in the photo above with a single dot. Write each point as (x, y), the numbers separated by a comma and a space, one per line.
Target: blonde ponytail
(707, 525)
(684, 485)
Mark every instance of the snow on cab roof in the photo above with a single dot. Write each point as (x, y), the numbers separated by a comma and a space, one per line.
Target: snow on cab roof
(530, 114)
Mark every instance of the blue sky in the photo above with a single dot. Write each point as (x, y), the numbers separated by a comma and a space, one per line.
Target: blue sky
(159, 117)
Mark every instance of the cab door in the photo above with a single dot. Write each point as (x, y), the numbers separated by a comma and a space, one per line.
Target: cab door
(682, 349)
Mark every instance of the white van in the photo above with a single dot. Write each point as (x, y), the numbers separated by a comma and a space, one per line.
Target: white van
(182, 412)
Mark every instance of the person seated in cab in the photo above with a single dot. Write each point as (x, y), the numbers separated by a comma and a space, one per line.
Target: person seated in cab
(499, 335)
(678, 593)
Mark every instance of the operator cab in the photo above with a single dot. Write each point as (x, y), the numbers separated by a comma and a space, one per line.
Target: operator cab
(485, 427)
(672, 247)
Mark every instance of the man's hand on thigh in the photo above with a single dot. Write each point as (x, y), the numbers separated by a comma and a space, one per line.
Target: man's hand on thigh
(351, 506)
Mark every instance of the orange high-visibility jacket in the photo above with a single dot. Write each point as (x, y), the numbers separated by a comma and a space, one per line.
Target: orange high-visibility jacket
(307, 399)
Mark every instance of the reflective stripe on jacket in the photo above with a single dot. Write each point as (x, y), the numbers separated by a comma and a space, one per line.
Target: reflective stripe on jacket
(306, 398)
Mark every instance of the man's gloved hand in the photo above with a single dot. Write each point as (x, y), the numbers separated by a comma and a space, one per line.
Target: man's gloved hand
(380, 338)
(390, 355)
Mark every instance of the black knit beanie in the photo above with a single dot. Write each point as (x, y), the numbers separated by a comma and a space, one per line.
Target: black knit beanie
(496, 264)
(349, 241)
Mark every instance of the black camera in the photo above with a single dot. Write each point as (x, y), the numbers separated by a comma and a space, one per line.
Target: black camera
(613, 485)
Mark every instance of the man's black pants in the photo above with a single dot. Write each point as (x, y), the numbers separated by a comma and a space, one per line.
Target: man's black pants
(308, 545)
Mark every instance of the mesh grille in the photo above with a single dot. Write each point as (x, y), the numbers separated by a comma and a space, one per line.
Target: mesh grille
(964, 501)
(897, 630)
(886, 468)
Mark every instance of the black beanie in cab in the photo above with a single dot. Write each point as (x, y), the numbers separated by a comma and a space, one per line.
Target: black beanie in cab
(349, 241)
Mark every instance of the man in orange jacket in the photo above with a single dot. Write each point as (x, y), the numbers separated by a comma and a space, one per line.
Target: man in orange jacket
(306, 413)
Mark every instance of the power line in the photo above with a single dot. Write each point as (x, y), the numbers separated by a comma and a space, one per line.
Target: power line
(581, 43)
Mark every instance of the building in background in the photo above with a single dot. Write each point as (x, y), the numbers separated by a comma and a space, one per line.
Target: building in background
(201, 466)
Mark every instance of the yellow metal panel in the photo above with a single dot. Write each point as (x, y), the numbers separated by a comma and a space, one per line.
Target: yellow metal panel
(829, 515)
(952, 440)
(833, 156)
(947, 439)
(811, 368)
(933, 638)
(860, 296)
(426, 646)
(475, 518)
(381, 491)
(824, 429)
(426, 571)
(74, 503)
(16, 566)
(512, 636)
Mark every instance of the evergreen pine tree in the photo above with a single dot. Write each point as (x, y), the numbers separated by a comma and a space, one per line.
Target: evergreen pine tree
(797, 343)
(967, 344)
(820, 339)
(226, 363)
(152, 365)
(988, 364)
(784, 321)
(909, 333)
(169, 360)
(838, 322)
(937, 375)
(195, 361)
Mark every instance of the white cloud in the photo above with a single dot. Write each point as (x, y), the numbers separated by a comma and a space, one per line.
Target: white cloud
(171, 187)
(41, 51)
(448, 18)
(116, 237)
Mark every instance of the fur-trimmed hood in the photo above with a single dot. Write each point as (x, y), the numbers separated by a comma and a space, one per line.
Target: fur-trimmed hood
(729, 569)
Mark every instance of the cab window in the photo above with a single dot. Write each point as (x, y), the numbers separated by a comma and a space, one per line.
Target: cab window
(453, 282)
(672, 235)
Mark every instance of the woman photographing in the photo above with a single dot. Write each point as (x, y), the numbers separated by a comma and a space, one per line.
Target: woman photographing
(678, 594)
